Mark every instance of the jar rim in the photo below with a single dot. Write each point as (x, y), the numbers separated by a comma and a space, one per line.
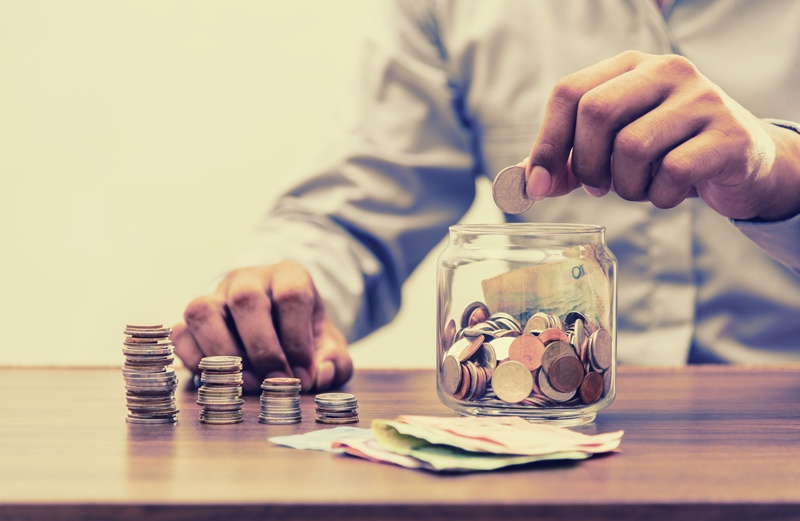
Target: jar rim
(528, 228)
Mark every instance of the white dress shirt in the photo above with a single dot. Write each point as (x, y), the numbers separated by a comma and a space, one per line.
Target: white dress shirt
(450, 91)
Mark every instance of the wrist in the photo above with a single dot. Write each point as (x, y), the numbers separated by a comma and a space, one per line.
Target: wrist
(781, 200)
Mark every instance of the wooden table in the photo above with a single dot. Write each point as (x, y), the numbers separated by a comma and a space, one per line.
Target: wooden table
(700, 443)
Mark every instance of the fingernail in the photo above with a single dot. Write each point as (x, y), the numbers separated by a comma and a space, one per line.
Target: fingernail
(305, 379)
(538, 184)
(325, 374)
(251, 383)
(277, 374)
(594, 191)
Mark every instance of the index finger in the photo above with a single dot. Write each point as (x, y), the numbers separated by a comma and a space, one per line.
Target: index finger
(547, 172)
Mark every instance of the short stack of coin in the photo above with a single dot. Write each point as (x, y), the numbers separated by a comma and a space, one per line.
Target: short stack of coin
(149, 383)
(280, 401)
(336, 408)
(220, 395)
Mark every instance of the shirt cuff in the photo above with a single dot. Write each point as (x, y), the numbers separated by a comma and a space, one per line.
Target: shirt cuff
(779, 239)
(791, 125)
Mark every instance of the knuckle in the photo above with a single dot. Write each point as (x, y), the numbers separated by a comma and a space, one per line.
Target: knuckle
(294, 295)
(178, 330)
(565, 93)
(245, 299)
(663, 202)
(594, 109)
(673, 65)
(200, 310)
(634, 144)
(631, 56)
(677, 170)
(707, 98)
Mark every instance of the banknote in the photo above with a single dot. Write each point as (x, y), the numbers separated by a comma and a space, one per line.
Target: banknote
(573, 280)
(502, 435)
(322, 439)
(456, 444)
(448, 458)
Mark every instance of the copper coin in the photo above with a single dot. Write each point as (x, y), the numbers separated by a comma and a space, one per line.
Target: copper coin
(566, 373)
(548, 390)
(508, 190)
(552, 334)
(465, 386)
(528, 350)
(554, 351)
(478, 316)
(591, 388)
(476, 309)
(449, 334)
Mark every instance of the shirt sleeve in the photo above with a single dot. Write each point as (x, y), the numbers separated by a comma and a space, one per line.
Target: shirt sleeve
(401, 170)
(781, 239)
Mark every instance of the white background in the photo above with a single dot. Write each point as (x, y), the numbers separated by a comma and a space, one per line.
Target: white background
(140, 142)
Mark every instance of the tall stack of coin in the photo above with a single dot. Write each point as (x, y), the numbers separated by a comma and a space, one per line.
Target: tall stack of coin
(551, 361)
(220, 395)
(280, 401)
(336, 408)
(149, 382)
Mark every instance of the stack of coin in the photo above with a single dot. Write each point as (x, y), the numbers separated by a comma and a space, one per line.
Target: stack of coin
(149, 383)
(280, 401)
(220, 395)
(551, 361)
(336, 408)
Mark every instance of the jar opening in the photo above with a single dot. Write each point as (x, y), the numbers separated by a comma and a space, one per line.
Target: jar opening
(527, 229)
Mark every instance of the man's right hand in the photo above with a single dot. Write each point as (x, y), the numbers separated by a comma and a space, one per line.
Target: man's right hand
(273, 317)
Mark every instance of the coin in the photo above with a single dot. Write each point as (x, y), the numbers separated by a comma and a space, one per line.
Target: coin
(280, 401)
(566, 373)
(512, 382)
(449, 334)
(451, 374)
(537, 323)
(221, 389)
(591, 388)
(527, 349)
(508, 190)
(552, 334)
(601, 353)
(149, 383)
(336, 408)
(549, 391)
(555, 350)
(502, 346)
(473, 312)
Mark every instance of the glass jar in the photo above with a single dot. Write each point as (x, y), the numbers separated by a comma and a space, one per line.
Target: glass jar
(526, 321)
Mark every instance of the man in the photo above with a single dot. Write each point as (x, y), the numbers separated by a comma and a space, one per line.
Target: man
(615, 96)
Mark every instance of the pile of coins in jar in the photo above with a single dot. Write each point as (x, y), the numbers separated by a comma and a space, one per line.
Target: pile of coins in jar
(550, 361)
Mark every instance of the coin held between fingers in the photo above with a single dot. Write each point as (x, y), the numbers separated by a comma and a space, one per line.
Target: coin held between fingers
(508, 190)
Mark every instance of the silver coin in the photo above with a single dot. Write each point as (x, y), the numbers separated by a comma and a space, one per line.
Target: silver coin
(508, 190)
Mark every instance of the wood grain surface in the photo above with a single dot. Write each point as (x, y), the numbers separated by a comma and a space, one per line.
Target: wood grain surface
(700, 443)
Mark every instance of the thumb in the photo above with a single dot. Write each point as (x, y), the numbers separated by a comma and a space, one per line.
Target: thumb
(333, 363)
